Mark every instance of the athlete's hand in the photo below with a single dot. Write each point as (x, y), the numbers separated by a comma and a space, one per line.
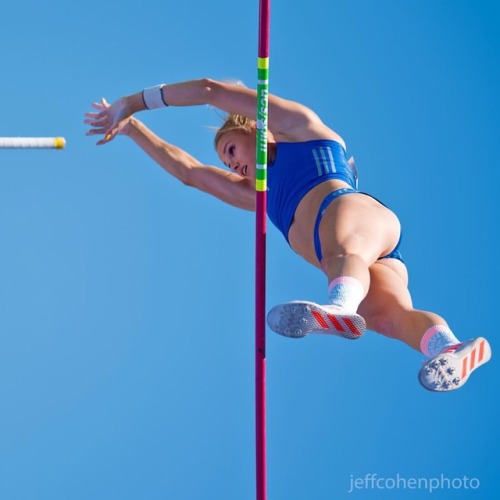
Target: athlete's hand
(109, 120)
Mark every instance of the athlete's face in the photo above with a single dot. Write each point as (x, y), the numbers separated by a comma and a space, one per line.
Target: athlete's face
(236, 149)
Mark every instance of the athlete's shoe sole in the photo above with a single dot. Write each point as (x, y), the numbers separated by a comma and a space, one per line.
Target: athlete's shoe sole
(451, 369)
(299, 318)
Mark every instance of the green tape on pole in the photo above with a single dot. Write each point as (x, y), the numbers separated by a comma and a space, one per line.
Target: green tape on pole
(261, 174)
(262, 112)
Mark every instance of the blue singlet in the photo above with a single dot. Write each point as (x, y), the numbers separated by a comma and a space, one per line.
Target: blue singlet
(298, 168)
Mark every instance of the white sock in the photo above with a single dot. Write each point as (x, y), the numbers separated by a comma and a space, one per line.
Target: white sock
(436, 339)
(346, 293)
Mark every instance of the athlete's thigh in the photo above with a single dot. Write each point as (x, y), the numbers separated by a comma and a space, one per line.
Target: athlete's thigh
(358, 224)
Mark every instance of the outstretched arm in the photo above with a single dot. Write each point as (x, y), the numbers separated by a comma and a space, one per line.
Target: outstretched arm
(226, 186)
(288, 120)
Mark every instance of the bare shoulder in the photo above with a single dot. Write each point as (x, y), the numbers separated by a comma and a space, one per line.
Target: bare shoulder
(291, 121)
(310, 132)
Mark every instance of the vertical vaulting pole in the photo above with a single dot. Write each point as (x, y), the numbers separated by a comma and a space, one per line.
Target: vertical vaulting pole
(260, 247)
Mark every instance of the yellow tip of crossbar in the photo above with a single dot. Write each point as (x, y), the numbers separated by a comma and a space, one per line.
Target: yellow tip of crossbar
(59, 142)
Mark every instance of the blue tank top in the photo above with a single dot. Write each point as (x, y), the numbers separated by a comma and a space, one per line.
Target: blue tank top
(299, 167)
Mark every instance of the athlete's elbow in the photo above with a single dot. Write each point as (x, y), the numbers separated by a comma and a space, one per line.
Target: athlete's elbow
(214, 92)
(188, 178)
(206, 87)
(194, 176)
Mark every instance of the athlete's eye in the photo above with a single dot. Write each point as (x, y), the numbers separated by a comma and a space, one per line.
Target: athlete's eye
(231, 150)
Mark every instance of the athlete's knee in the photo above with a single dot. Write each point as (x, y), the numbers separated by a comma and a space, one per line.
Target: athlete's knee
(383, 324)
(389, 318)
(335, 260)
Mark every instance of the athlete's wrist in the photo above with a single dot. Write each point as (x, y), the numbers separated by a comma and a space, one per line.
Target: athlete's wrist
(131, 104)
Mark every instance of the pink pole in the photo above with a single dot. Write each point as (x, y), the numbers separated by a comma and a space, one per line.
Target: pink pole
(260, 250)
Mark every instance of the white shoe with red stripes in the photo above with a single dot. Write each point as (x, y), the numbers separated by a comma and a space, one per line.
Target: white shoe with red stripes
(299, 318)
(451, 369)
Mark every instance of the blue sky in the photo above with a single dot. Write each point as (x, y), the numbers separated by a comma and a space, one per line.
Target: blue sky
(126, 299)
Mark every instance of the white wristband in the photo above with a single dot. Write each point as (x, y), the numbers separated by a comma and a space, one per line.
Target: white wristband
(153, 97)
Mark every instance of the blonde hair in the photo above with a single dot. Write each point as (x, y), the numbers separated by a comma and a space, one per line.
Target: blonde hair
(234, 122)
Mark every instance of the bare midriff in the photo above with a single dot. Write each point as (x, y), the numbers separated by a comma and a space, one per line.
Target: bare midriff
(300, 235)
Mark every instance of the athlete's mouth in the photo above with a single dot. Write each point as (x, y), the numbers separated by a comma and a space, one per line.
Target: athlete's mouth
(244, 170)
